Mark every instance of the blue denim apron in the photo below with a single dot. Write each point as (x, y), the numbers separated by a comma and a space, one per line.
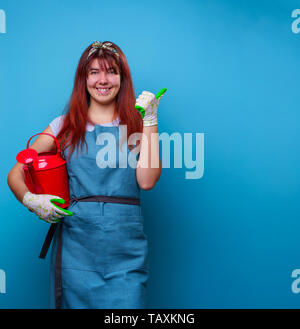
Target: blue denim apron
(100, 254)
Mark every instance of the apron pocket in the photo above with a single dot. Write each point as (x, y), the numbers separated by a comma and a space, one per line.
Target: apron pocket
(126, 244)
(83, 242)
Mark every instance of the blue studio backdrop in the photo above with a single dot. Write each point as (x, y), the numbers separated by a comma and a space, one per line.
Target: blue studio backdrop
(229, 239)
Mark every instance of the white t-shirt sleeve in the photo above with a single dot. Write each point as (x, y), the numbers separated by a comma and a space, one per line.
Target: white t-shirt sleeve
(56, 124)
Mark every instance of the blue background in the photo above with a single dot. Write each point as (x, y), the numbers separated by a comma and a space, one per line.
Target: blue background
(227, 240)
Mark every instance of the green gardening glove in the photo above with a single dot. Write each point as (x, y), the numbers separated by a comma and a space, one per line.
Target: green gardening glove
(42, 205)
(147, 104)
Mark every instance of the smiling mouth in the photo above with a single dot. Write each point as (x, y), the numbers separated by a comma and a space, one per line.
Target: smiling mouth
(103, 91)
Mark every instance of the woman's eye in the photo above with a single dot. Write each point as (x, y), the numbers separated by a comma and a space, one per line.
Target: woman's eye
(110, 71)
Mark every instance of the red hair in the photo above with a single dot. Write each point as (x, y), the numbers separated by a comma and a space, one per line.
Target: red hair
(72, 132)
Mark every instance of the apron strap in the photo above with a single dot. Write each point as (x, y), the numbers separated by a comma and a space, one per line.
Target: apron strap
(57, 272)
(48, 240)
(105, 198)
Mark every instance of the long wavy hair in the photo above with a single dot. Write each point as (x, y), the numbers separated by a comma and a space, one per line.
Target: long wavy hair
(72, 132)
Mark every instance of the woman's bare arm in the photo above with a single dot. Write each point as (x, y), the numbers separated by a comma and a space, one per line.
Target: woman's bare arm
(148, 169)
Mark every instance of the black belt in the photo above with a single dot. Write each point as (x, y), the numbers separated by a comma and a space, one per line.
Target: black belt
(94, 198)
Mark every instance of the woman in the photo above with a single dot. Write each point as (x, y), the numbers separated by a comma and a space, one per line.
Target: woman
(99, 254)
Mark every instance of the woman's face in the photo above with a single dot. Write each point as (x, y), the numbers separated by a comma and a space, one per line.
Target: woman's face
(103, 86)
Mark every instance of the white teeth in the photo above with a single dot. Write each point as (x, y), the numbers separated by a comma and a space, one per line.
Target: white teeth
(103, 89)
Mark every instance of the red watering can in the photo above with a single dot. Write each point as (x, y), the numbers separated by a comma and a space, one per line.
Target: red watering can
(46, 172)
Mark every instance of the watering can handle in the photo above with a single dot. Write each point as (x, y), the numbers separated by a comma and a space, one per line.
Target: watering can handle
(56, 141)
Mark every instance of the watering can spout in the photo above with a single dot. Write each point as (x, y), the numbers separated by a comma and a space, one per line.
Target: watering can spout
(27, 156)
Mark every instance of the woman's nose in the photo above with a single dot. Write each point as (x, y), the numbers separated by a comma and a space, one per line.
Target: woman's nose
(102, 77)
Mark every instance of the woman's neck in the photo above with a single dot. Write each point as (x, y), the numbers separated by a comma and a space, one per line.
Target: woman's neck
(101, 114)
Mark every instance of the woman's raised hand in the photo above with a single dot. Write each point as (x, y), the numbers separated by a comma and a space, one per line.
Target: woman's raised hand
(147, 104)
